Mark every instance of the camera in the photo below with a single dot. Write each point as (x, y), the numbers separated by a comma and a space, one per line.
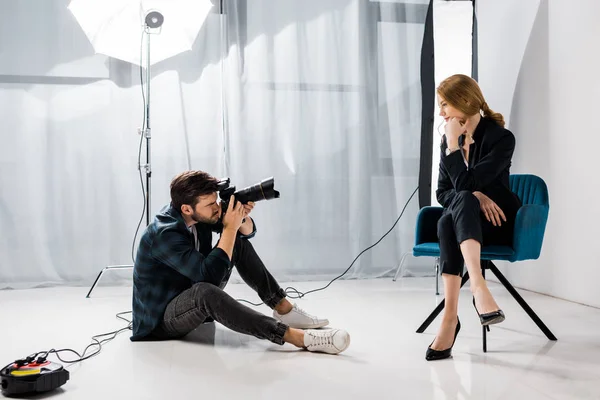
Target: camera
(265, 190)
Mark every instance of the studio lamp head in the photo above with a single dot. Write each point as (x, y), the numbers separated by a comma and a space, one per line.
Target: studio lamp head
(154, 20)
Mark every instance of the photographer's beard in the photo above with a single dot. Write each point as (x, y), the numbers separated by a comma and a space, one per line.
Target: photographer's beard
(206, 220)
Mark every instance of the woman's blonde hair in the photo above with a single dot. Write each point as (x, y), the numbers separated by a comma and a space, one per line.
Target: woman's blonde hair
(463, 93)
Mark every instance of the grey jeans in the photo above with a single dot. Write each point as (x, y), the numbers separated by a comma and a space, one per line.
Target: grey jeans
(204, 302)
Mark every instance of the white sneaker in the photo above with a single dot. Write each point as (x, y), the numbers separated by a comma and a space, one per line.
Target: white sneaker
(299, 319)
(331, 341)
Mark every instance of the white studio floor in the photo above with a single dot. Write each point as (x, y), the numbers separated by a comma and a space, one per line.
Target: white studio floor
(384, 361)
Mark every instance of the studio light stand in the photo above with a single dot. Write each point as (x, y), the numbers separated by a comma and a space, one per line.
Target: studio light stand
(152, 26)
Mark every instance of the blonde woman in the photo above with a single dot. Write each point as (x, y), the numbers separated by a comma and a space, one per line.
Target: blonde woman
(479, 207)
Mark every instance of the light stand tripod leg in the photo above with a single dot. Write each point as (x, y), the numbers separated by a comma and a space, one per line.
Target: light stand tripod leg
(148, 135)
(399, 269)
(112, 267)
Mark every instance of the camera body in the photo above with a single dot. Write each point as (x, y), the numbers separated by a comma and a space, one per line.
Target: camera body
(265, 190)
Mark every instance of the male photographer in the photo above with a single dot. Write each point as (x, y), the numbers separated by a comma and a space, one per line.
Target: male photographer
(179, 277)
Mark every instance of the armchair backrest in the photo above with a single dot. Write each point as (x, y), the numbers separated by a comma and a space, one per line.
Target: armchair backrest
(531, 189)
(530, 224)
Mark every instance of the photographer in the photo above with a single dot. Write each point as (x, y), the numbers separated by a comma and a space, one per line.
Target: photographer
(179, 277)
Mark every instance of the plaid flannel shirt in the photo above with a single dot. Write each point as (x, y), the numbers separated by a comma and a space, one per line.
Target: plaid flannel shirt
(168, 263)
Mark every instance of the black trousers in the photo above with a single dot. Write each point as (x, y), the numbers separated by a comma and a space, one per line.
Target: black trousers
(463, 220)
(204, 302)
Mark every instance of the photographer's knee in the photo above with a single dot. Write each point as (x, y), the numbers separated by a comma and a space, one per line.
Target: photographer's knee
(202, 289)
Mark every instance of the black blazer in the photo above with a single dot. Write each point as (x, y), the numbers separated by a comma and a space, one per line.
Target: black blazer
(488, 171)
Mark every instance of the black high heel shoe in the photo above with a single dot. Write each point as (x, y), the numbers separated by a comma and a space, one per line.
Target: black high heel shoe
(432, 355)
(491, 318)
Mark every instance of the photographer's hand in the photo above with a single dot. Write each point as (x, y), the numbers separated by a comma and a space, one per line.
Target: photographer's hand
(248, 225)
(248, 208)
(232, 220)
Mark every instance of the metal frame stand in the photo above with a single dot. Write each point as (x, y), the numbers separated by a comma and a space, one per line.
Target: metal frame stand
(147, 132)
(437, 276)
(490, 265)
(399, 269)
(112, 267)
(437, 272)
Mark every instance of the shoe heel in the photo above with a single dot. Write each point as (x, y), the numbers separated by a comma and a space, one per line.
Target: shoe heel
(494, 317)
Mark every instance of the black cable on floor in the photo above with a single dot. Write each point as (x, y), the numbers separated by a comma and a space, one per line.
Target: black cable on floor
(294, 293)
(41, 356)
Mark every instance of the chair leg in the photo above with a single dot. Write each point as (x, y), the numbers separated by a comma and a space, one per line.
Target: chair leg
(484, 329)
(399, 269)
(437, 276)
(521, 301)
(439, 308)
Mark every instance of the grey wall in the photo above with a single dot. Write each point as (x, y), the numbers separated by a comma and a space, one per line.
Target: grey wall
(539, 64)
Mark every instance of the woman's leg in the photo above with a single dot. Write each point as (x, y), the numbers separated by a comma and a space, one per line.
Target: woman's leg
(468, 225)
(445, 335)
(484, 301)
(451, 263)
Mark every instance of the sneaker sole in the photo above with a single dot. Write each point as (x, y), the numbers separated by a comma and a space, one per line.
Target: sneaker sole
(313, 326)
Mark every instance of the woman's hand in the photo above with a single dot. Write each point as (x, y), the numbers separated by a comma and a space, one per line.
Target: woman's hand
(490, 209)
(453, 129)
(457, 127)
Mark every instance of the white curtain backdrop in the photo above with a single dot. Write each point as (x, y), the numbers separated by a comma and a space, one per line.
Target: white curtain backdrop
(324, 95)
(453, 35)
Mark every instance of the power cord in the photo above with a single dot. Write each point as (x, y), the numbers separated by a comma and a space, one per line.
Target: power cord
(41, 356)
(294, 293)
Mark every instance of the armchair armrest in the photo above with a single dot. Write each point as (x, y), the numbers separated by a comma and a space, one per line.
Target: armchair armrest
(530, 225)
(426, 230)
